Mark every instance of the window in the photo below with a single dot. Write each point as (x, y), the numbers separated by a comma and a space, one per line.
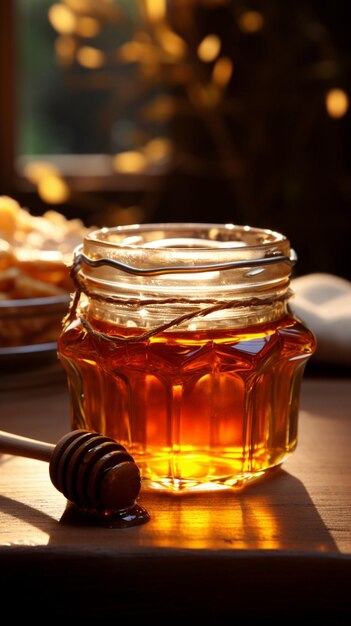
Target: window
(127, 111)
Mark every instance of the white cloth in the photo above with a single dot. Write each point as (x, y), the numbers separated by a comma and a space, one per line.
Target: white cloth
(323, 303)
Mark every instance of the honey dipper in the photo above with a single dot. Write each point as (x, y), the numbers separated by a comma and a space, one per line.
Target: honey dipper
(93, 471)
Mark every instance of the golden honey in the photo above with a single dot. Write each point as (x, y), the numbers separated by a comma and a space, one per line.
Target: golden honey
(197, 372)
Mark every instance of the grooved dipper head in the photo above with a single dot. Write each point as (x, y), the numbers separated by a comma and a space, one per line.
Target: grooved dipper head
(94, 472)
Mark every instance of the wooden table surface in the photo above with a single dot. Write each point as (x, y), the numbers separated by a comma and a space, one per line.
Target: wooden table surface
(281, 546)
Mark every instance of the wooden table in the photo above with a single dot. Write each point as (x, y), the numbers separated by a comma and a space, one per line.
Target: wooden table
(279, 549)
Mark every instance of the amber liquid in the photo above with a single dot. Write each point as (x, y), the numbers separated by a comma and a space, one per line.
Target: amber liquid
(197, 410)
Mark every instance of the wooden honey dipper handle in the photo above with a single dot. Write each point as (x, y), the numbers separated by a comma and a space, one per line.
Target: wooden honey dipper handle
(24, 446)
(93, 471)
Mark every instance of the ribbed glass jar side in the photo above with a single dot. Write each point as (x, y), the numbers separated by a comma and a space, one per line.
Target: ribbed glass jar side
(182, 347)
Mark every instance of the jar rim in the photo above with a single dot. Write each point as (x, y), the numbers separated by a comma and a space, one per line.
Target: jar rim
(221, 258)
(172, 248)
(223, 236)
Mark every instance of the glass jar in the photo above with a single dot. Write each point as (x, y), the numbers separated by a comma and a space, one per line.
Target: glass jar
(180, 345)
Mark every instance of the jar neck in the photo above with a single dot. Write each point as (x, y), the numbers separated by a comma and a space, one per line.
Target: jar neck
(185, 316)
(183, 276)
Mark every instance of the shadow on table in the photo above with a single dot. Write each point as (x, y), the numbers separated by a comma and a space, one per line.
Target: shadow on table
(281, 561)
(273, 513)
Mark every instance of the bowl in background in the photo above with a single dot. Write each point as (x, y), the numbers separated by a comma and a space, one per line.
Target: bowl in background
(29, 329)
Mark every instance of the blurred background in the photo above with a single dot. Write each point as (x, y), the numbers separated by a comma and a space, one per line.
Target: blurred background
(124, 111)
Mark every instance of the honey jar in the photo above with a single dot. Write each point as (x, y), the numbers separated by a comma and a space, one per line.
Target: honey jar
(180, 344)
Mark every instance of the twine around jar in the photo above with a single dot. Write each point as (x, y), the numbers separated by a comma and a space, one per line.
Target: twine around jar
(214, 305)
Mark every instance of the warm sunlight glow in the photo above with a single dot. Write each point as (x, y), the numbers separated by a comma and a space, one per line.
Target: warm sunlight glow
(162, 108)
(126, 215)
(131, 162)
(171, 42)
(156, 9)
(209, 48)
(204, 96)
(65, 48)
(337, 103)
(200, 527)
(36, 170)
(88, 27)
(132, 51)
(53, 189)
(251, 21)
(158, 149)
(62, 19)
(222, 71)
(81, 6)
(90, 57)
